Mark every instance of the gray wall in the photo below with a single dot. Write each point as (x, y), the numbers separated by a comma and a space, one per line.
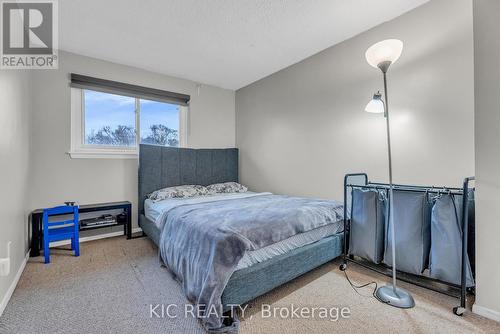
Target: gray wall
(487, 144)
(57, 177)
(301, 129)
(15, 116)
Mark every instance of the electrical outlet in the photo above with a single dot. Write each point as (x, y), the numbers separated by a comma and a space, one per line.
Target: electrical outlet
(5, 262)
(4, 267)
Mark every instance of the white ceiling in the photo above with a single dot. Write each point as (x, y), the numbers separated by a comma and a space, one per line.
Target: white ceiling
(226, 43)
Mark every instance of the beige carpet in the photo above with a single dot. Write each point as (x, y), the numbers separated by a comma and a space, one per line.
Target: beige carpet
(110, 287)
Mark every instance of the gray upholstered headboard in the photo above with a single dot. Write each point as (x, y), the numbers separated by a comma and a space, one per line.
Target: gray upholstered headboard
(161, 167)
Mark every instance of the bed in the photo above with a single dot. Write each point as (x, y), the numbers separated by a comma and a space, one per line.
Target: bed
(258, 271)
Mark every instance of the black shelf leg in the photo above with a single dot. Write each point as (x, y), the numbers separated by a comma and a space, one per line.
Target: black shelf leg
(35, 235)
(128, 225)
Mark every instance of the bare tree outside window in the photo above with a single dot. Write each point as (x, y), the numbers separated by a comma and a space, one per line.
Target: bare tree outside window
(162, 135)
(125, 136)
(122, 135)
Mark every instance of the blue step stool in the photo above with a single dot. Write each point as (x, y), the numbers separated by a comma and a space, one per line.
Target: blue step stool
(60, 230)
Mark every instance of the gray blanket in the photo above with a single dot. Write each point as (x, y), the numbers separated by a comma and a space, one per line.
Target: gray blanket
(202, 243)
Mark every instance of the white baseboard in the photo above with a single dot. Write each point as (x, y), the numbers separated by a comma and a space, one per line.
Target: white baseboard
(13, 285)
(486, 312)
(94, 237)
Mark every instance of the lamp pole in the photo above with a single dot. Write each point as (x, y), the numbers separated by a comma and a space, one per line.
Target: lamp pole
(389, 153)
(381, 55)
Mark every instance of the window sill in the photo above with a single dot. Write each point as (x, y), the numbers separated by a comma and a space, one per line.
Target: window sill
(104, 154)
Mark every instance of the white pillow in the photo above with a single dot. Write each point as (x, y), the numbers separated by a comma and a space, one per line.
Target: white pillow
(178, 192)
(226, 187)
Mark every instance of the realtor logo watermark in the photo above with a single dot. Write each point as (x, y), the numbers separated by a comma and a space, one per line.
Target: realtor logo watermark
(29, 34)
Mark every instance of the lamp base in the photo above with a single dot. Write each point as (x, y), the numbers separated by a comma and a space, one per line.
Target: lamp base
(395, 297)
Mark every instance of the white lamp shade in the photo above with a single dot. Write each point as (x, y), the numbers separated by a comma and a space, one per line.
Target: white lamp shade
(375, 106)
(388, 50)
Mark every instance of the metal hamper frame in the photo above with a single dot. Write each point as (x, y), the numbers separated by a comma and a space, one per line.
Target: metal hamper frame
(460, 291)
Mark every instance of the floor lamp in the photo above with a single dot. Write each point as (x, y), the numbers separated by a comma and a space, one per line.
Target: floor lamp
(381, 55)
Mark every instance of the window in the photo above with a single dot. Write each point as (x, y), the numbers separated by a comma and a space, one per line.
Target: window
(111, 125)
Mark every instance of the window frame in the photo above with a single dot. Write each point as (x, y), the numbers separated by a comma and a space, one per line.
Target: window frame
(78, 147)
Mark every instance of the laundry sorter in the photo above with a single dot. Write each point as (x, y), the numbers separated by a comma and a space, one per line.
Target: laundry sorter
(434, 233)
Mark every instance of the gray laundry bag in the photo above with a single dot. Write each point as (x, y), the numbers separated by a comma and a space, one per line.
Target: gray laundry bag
(366, 237)
(412, 237)
(445, 261)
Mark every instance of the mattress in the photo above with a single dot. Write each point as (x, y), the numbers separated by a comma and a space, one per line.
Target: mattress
(153, 212)
(252, 257)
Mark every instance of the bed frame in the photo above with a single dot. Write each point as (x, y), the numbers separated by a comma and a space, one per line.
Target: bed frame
(161, 167)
